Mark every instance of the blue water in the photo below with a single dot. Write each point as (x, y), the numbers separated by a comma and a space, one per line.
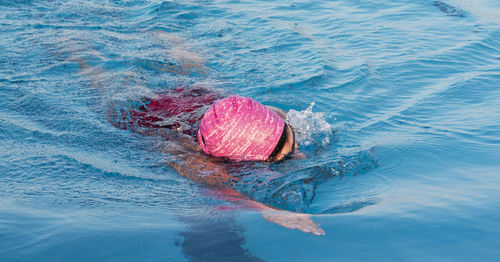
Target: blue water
(410, 89)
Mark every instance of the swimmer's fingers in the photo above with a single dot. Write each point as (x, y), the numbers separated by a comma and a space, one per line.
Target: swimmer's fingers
(302, 222)
(306, 224)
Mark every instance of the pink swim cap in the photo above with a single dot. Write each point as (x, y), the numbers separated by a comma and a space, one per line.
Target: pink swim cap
(240, 128)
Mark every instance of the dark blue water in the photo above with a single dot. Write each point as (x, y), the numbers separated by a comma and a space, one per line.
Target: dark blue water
(409, 90)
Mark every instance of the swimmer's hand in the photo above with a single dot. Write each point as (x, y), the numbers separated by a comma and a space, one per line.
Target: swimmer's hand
(302, 222)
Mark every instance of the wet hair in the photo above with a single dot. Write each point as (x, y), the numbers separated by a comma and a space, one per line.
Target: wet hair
(280, 145)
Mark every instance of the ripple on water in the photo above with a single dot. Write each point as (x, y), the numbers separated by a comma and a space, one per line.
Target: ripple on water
(409, 90)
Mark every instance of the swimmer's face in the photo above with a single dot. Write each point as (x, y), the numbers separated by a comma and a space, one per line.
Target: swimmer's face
(290, 147)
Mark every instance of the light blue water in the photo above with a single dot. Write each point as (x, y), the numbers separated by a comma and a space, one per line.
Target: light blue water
(411, 90)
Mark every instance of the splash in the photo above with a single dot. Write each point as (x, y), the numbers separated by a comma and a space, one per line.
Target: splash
(310, 128)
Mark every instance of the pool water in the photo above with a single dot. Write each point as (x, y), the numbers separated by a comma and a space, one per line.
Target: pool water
(397, 104)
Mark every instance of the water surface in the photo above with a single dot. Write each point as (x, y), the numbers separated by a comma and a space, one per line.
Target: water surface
(410, 90)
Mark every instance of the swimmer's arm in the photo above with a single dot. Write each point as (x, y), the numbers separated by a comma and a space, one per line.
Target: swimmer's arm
(200, 169)
(206, 172)
(287, 219)
(185, 158)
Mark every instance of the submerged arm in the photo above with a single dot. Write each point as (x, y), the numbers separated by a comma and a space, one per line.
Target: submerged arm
(201, 169)
(287, 219)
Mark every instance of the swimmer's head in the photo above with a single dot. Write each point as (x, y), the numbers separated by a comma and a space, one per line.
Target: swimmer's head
(242, 129)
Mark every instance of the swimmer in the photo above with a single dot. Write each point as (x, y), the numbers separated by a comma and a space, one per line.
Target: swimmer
(212, 129)
(202, 128)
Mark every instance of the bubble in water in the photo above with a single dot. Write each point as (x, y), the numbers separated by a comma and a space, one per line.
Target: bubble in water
(310, 128)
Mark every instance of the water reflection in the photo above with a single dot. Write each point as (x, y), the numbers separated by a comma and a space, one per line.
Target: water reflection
(214, 238)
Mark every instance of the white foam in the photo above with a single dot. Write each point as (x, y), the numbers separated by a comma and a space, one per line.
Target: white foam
(310, 127)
